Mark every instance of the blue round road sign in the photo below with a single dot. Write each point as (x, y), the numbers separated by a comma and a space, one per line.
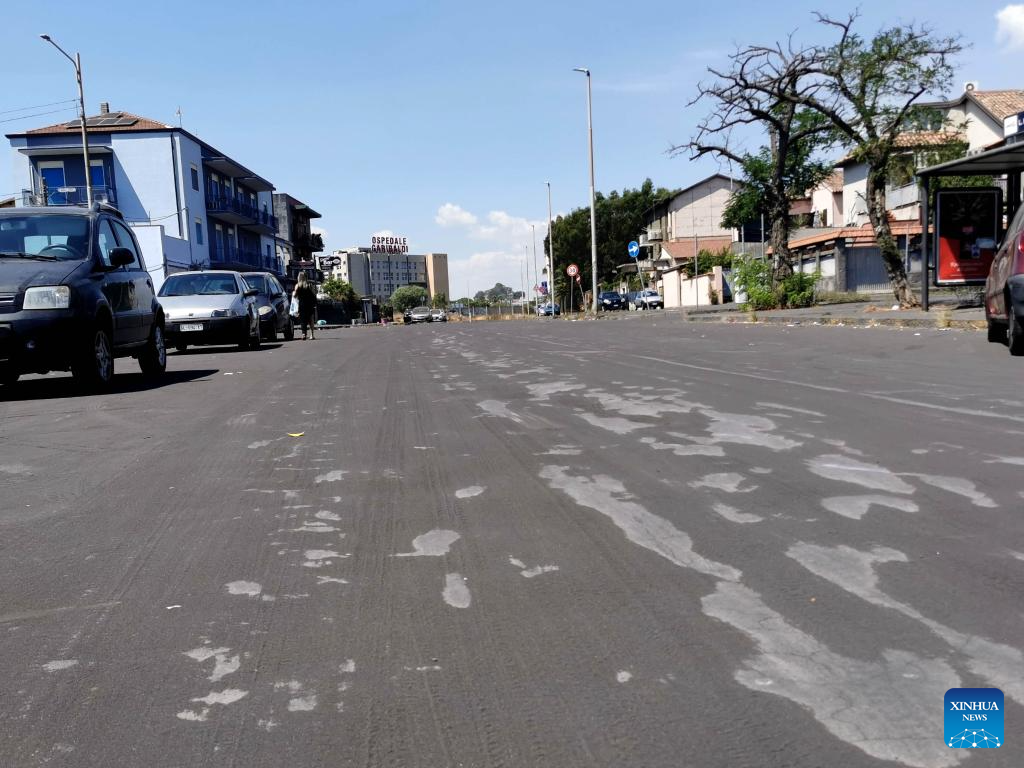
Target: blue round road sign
(634, 249)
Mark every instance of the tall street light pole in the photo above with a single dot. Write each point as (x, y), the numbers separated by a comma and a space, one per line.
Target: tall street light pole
(77, 63)
(593, 215)
(536, 274)
(551, 257)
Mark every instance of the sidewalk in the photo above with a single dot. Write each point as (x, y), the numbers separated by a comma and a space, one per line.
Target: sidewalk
(868, 313)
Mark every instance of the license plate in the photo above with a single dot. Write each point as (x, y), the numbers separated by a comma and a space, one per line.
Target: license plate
(191, 326)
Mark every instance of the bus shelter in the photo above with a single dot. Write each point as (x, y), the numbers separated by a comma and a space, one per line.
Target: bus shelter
(1006, 161)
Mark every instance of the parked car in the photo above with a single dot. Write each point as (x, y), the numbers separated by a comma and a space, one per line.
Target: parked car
(407, 317)
(610, 300)
(272, 306)
(646, 299)
(420, 315)
(210, 307)
(545, 310)
(438, 316)
(1004, 289)
(75, 294)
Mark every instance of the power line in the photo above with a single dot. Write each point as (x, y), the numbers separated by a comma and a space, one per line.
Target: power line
(37, 114)
(37, 106)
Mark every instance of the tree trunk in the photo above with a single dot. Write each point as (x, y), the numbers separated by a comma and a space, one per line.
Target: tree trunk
(891, 255)
(778, 217)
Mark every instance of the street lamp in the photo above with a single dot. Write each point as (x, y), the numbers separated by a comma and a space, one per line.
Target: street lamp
(551, 257)
(77, 63)
(593, 219)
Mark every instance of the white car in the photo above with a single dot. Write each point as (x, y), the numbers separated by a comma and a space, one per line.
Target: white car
(210, 307)
(647, 299)
(438, 316)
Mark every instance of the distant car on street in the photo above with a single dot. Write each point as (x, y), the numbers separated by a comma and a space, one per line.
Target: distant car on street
(545, 310)
(271, 305)
(210, 307)
(610, 301)
(1004, 289)
(420, 315)
(646, 299)
(438, 316)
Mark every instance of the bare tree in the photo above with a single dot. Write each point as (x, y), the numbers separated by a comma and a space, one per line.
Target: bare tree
(764, 87)
(869, 90)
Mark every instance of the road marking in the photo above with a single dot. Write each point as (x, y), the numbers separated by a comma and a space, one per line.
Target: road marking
(455, 591)
(433, 543)
(838, 390)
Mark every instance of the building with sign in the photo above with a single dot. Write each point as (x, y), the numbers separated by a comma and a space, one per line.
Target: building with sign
(385, 266)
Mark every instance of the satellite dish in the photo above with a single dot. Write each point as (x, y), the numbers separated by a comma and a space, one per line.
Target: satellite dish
(970, 85)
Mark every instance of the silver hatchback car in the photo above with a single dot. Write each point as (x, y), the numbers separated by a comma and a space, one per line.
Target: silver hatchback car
(212, 307)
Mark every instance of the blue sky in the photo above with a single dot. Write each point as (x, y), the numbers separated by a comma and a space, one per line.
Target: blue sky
(438, 121)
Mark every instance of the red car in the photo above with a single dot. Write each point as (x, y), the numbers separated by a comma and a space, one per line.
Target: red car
(1004, 289)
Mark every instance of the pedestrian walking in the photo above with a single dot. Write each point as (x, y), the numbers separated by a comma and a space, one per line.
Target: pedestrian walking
(306, 297)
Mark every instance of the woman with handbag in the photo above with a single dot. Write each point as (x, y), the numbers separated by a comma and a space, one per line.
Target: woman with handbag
(306, 297)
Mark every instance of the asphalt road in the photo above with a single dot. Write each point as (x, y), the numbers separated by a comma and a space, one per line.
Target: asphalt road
(632, 542)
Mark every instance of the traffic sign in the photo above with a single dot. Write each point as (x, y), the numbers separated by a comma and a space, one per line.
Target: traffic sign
(572, 270)
(634, 249)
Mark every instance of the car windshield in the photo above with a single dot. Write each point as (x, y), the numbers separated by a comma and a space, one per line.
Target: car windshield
(63, 238)
(198, 284)
(259, 282)
(610, 295)
(649, 293)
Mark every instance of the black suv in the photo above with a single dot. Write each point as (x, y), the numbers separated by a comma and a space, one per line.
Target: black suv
(610, 300)
(75, 294)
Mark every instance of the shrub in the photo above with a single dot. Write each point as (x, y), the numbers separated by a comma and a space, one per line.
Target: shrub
(798, 289)
(754, 278)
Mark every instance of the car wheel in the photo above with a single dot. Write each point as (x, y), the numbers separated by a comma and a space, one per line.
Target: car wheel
(270, 332)
(996, 332)
(254, 341)
(93, 367)
(289, 330)
(1015, 336)
(153, 360)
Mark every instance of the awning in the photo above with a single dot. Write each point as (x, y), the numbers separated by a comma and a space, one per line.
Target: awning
(1008, 159)
(94, 149)
(229, 167)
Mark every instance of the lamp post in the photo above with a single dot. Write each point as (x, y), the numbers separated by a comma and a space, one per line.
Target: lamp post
(536, 274)
(551, 257)
(77, 63)
(593, 216)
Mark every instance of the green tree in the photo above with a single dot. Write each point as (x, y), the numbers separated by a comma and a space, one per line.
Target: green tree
(440, 301)
(407, 297)
(762, 87)
(871, 89)
(619, 217)
(339, 290)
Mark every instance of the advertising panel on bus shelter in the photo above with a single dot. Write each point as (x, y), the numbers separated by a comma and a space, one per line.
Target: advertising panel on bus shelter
(967, 233)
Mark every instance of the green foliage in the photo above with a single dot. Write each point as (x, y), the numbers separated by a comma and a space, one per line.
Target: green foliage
(798, 289)
(339, 290)
(707, 259)
(771, 182)
(407, 297)
(754, 278)
(619, 217)
(440, 301)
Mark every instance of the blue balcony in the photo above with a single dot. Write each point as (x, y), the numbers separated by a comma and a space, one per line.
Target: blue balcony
(69, 195)
(239, 211)
(234, 257)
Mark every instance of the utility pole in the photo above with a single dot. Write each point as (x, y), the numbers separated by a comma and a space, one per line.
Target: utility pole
(536, 274)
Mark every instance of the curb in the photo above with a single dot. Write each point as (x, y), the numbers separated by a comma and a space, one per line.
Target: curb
(861, 322)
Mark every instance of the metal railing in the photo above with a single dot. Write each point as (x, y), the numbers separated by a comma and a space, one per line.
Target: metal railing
(217, 201)
(68, 195)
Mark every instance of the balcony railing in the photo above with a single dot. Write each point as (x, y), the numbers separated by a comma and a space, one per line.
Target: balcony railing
(217, 201)
(69, 195)
(229, 252)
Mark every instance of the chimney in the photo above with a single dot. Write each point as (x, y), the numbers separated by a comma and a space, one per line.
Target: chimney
(104, 107)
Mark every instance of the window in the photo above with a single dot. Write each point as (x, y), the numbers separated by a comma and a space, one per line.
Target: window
(97, 173)
(195, 178)
(199, 232)
(125, 240)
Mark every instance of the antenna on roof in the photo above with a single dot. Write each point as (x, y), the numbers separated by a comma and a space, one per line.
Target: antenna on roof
(178, 113)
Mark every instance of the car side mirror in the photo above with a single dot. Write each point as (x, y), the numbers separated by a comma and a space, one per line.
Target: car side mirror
(277, 295)
(121, 257)
(250, 293)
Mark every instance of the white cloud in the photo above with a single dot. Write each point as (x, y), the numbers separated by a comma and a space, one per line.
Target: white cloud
(1010, 26)
(382, 233)
(451, 215)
